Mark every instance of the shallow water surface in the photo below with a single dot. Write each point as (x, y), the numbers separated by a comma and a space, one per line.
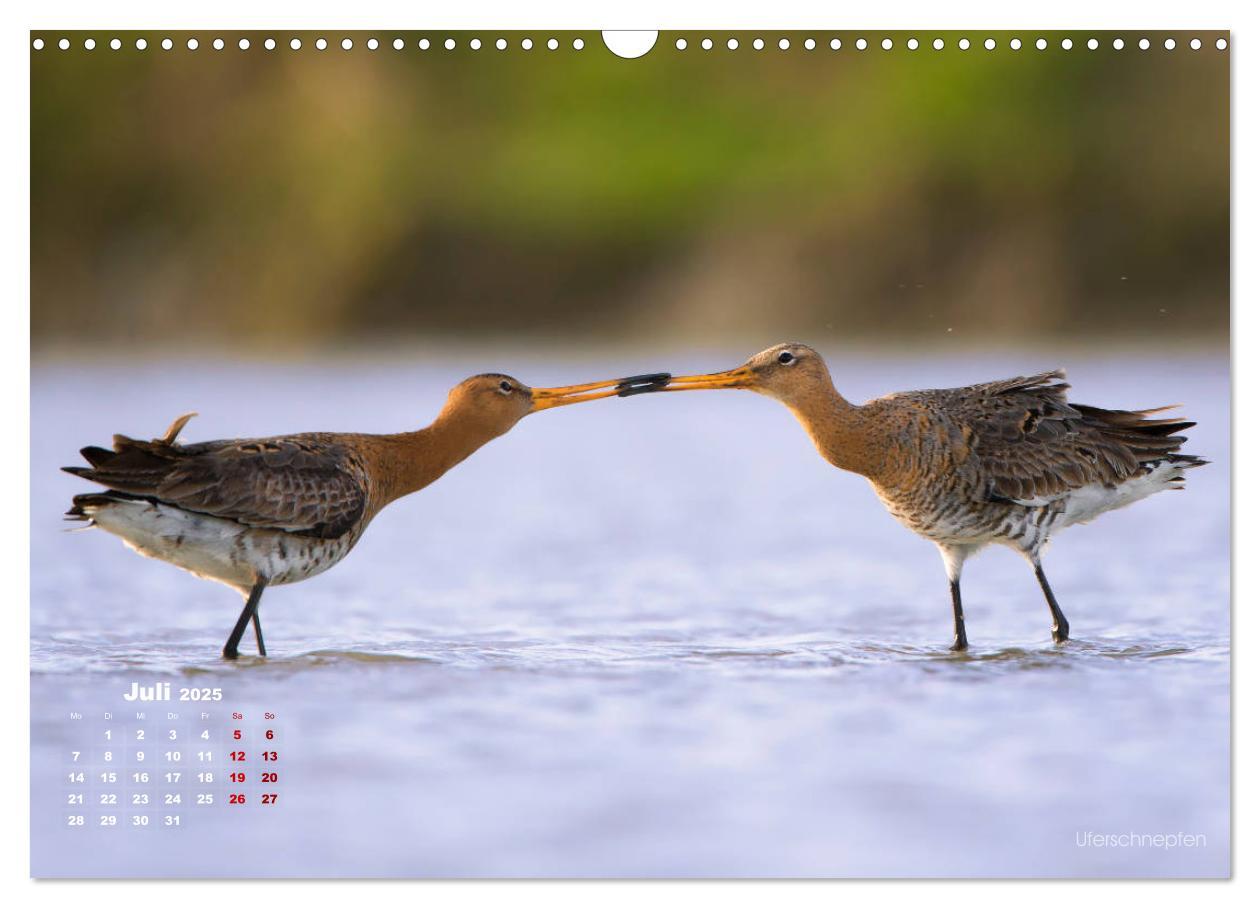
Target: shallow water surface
(656, 637)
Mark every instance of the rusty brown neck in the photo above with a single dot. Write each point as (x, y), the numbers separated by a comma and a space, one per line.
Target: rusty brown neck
(410, 461)
(839, 430)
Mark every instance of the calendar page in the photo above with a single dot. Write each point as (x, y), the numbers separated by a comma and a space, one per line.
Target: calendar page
(579, 454)
(155, 758)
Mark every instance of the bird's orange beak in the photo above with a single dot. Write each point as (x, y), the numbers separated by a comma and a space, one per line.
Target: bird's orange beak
(546, 398)
(732, 378)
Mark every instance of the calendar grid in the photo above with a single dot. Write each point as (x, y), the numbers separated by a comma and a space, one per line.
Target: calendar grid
(160, 768)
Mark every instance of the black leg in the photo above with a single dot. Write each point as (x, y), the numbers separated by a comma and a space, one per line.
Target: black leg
(1058, 623)
(262, 649)
(248, 614)
(960, 628)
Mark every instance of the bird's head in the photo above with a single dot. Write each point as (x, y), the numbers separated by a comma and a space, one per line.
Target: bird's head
(494, 403)
(786, 372)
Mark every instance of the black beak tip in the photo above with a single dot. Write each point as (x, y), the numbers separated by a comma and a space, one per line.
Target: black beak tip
(642, 384)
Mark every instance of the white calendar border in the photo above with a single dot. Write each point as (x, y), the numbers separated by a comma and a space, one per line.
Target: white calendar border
(678, 14)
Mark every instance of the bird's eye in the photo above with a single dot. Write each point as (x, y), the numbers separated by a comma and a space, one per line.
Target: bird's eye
(505, 387)
(786, 358)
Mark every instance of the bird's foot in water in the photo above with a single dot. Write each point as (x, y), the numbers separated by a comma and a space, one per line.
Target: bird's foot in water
(959, 645)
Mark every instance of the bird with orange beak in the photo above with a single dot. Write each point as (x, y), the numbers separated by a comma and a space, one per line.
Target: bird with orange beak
(259, 512)
(1009, 462)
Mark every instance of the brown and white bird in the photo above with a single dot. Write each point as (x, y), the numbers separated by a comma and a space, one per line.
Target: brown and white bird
(1009, 462)
(259, 512)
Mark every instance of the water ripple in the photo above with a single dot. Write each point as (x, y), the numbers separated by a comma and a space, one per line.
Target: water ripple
(59, 654)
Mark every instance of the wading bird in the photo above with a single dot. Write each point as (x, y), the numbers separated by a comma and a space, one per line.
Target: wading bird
(1011, 462)
(259, 512)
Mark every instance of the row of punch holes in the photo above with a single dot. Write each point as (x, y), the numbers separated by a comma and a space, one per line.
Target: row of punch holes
(706, 44)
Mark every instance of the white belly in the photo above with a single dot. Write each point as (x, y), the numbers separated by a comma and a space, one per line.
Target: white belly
(1046, 517)
(1030, 527)
(218, 549)
(1084, 504)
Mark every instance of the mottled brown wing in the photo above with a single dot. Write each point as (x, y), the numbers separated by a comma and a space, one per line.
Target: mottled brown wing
(310, 485)
(1031, 444)
(287, 484)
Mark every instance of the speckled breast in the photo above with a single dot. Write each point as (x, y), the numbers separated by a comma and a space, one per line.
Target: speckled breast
(288, 558)
(951, 512)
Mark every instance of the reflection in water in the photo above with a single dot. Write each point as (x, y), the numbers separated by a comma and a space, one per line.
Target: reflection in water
(599, 649)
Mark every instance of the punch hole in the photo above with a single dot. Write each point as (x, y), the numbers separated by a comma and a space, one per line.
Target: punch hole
(1144, 44)
(270, 44)
(527, 43)
(1221, 44)
(835, 43)
(784, 44)
(938, 44)
(681, 44)
(810, 43)
(38, 44)
(861, 44)
(64, 43)
(192, 44)
(707, 44)
(990, 44)
(913, 44)
(1092, 44)
(243, 44)
(500, 44)
(423, 44)
(321, 44)
(630, 45)
(167, 44)
(1041, 44)
(552, 44)
(475, 44)
(1170, 44)
(963, 44)
(1195, 43)
(1118, 44)
(373, 44)
(449, 43)
(89, 44)
(1066, 44)
(346, 44)
(217, 44)
(1016, 44)
(295, 44)
(141, 44)
(732, 44)
(758, 44)
(578, 44)
(886, 44)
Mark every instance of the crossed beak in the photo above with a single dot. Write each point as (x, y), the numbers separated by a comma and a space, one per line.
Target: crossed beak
(731, 378)
(546, 398)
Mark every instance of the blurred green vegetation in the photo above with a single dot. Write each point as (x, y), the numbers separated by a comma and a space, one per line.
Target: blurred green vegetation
(306, 198)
